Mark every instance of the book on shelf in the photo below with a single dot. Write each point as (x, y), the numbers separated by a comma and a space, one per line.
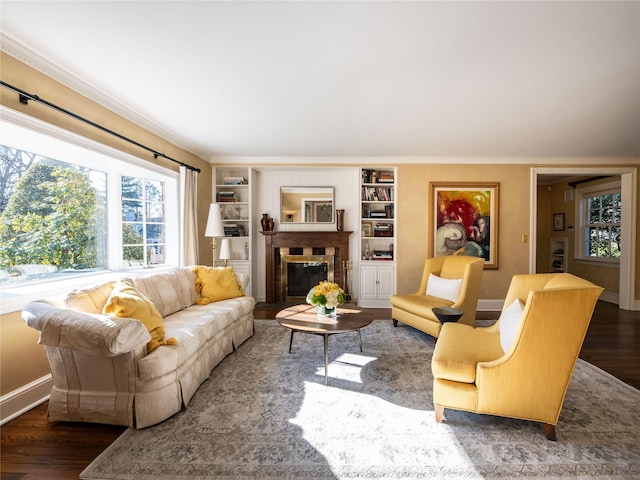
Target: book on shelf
(234, 230)
(385, 177)
(367, 212)
(382, 255)
(377, 176)
(377, 194)
(383, 230)
(235, 181)
(222, 197)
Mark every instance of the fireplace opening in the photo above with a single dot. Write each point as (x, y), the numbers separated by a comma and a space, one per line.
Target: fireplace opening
(300, 273)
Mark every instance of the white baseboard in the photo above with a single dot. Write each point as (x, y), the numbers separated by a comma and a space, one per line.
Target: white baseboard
(15, 403)
(610, 297)
(490, 305)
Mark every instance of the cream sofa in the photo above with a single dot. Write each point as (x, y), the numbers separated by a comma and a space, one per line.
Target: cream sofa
(101, 370)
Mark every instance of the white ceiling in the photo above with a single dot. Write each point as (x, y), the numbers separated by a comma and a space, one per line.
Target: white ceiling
(361, 78)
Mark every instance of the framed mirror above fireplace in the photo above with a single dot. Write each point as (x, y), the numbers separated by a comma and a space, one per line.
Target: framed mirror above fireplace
(306, 205)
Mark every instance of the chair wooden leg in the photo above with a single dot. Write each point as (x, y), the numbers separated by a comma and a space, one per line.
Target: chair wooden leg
(439, 409)
(395, 322)
(549, 431)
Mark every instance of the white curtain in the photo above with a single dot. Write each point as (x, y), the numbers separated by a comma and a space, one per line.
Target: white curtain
(189, 212)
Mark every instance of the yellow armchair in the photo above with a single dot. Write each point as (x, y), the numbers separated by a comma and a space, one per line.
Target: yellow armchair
(416, 309)
(525, 376)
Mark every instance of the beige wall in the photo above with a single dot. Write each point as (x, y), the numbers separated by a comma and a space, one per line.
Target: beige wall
(414, 242)
(22, 360)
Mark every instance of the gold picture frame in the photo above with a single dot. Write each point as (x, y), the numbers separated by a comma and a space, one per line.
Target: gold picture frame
(463, 220)
(367, 229)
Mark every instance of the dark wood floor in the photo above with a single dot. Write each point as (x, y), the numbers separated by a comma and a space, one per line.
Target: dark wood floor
(33, 448)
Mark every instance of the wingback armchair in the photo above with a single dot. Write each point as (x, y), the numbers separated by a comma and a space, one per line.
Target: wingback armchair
(519, 367)
(416, 309)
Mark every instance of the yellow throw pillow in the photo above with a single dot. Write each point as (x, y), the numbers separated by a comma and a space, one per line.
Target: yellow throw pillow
(126, 301)
(216, 283)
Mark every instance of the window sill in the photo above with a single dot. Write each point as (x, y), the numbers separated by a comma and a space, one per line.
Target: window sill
(598, 262)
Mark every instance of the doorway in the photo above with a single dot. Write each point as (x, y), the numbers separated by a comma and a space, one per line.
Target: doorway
(628, 178)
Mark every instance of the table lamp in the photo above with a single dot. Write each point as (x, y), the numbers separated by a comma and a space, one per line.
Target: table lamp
(215, 227)
(225, 251)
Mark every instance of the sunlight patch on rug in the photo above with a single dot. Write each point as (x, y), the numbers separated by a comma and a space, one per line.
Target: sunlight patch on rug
(346, 367)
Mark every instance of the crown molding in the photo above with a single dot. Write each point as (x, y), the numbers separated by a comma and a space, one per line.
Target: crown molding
(11, 46)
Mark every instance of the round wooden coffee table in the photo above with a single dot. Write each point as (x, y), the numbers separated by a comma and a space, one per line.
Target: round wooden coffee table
(305, 319)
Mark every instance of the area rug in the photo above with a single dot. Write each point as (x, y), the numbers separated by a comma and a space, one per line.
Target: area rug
(266, 413)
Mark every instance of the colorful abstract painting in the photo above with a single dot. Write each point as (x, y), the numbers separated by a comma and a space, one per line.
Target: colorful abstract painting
(464, 220)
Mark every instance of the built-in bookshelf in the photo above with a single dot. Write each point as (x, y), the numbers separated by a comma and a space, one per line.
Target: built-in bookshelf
(377, 236)
(558, 254)
(232, 190)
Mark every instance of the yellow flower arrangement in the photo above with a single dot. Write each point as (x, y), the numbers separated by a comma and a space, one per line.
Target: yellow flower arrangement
(326, 294)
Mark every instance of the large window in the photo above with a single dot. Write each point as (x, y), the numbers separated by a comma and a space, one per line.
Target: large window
(600, 213)
(67, 209)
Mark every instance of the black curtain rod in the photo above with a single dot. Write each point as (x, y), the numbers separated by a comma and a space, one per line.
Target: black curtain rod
(25, 97)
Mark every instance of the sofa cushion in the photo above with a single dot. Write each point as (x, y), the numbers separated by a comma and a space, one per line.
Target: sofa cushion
(446, 288)
(215, 284)
(459, 349)
(187, 281)
(126, 301)
(418, 304)
(163, 289)
(192, 328)
(509, 324)
(89, 299)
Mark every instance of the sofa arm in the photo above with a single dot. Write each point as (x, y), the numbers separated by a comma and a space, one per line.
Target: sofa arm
(92, 334)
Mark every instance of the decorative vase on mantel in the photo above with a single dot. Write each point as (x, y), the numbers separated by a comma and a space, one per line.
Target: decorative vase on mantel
(264, 222)
(340, 219)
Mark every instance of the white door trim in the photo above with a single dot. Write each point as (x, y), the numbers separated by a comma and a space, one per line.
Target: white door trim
(629, 183)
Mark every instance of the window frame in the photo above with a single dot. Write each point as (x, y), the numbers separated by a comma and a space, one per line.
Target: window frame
(34, 135)
(582, 214)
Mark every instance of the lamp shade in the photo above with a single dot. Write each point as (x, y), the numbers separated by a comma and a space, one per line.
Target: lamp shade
(215, 228)
(225, 251)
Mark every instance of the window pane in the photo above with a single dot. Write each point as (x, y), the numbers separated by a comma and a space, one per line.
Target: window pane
(143, 204)
(156, 254)
(155, 191)
(132, 210)
(155, 233)
(155, 212)
(131, 187)
(52, 217)
(133, 256)
(132, 234)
